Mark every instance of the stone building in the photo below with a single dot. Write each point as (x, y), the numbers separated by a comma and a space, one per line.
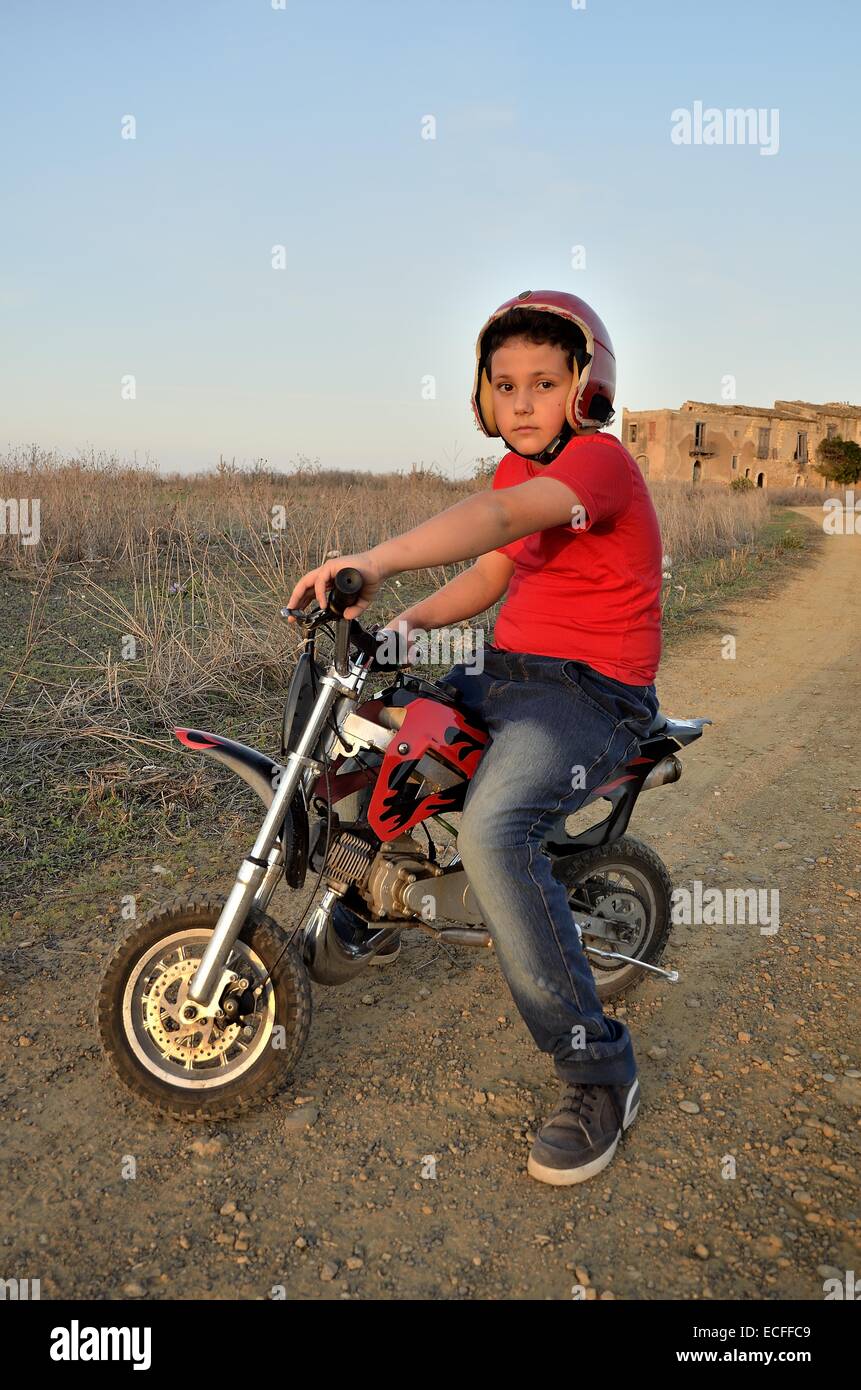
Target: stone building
(716, 443)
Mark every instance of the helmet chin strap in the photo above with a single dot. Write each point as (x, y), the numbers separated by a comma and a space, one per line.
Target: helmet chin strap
(551, 451)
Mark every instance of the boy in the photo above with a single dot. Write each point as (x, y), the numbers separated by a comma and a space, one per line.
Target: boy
(569, 534)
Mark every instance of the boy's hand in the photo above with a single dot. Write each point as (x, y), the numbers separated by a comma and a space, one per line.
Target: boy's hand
(317, 582)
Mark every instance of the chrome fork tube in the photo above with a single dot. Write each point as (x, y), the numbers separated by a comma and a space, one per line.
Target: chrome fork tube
(258, 868)
(309, 776)
(270, 878)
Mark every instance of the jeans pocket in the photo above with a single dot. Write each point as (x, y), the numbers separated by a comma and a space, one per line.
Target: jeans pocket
(630, 705)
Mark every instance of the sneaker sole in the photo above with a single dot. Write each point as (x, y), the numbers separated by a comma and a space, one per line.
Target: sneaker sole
(566, 1177)
(631, 1109)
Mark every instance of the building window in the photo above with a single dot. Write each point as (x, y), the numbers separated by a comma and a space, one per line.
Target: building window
(651, 430)
(801, 446)
(832, 430)
(643, 464)
(762, 443)
(700, 435)
(735, 463)
(747, 472)
(632, 433)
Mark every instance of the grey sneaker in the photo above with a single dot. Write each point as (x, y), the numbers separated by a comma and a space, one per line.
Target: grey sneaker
(581, 1136)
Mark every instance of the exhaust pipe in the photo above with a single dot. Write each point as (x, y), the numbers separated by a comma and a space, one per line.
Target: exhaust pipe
(330, 959)
(669, 769)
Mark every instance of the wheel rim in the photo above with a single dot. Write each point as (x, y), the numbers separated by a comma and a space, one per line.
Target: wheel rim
(618, 891)
(196, 1056)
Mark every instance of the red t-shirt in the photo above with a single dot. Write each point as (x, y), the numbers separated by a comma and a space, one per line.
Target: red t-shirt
(592, 590)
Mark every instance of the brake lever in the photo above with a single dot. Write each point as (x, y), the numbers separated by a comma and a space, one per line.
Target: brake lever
(364, 639)
(301, 616)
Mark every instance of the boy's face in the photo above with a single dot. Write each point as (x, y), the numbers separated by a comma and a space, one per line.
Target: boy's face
(530, 383)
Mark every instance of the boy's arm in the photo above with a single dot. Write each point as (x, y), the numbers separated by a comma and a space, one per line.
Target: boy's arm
(470, 528)
(462, 597)
(478, 524)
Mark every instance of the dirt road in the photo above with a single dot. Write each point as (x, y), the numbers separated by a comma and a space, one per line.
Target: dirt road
(326, 1192)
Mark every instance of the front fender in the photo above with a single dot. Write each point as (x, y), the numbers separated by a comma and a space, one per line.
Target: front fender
(261, 773)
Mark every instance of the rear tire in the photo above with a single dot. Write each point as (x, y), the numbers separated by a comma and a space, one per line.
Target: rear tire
(210, 1073)
(626, 859)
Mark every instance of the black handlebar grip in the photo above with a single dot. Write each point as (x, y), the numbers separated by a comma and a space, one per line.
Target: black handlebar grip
(346, 587)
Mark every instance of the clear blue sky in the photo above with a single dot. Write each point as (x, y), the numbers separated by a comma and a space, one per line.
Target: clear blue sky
(302, 127)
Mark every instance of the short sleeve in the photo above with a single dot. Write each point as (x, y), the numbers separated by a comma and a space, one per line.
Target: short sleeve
(598, 472)
(501, 478)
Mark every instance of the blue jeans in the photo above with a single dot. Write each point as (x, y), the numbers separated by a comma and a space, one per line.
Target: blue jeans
(558, 730)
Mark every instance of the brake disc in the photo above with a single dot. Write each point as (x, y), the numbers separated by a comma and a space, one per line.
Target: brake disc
(199, 1041)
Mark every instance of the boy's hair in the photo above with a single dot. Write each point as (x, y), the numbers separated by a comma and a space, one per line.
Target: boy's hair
(536, 326)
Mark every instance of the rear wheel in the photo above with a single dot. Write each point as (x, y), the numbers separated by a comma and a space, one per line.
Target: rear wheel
(213, 1068)
(627, 883)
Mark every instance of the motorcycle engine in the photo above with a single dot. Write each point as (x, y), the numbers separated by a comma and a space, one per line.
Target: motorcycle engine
(379, 875)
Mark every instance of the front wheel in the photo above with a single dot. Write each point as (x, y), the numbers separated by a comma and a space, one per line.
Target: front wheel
(627, 883)
(214, 1068)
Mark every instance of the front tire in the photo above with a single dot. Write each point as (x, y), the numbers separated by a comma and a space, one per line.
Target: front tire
(633, 874)
(203, 1071)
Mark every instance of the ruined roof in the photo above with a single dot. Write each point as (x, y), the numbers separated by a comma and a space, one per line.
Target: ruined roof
(829, 408)
(781, 410)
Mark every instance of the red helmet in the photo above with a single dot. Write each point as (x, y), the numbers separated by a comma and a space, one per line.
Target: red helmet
(598, 377)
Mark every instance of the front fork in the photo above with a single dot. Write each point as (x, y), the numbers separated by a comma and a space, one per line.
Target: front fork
(260, 870)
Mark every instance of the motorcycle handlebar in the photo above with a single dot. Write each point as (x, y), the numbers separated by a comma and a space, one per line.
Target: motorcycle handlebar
(346, 586)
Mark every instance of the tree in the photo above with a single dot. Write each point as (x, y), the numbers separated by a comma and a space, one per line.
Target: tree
(839, 460)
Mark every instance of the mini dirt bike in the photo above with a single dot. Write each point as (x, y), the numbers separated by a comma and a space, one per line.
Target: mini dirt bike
(205, 1007)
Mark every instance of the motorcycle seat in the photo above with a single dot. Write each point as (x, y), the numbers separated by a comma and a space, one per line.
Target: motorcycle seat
(682, 730)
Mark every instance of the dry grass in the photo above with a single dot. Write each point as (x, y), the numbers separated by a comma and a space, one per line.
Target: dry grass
(702, 521)
(114, 517)
(107, 514)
